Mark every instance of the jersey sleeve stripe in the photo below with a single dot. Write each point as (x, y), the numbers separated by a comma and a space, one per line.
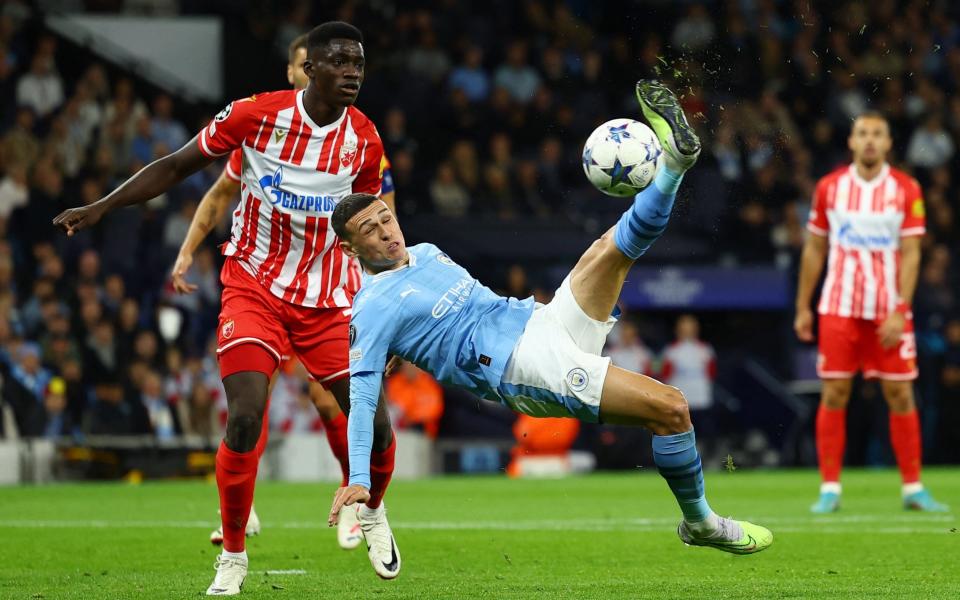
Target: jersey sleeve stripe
(817, 230)
(913, 231)
(229, 172)
(206, 149)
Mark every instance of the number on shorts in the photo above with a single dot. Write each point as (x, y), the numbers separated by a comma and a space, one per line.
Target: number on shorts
(908, 346)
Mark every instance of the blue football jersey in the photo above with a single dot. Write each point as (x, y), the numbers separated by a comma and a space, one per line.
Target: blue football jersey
(433, 313)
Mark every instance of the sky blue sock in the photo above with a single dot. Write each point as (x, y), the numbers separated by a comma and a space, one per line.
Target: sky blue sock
(679, 463)
(643, 222)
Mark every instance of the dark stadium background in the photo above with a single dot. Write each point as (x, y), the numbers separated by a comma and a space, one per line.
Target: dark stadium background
(493, 176)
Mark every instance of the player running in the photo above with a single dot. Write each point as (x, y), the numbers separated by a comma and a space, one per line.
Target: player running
(209, 212)
(539, 360)
(871, 217)
(286, 284)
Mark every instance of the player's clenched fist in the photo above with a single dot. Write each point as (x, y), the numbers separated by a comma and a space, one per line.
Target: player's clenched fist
(75, 219)
(803, 324)
(346, 496)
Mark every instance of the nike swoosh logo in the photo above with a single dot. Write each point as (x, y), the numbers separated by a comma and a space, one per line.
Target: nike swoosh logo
(750, 544)
(392, 565)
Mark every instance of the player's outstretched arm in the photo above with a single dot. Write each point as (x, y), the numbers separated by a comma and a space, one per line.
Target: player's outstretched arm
(364, 395)
(210, 212)
(811, 265)
(151, 181)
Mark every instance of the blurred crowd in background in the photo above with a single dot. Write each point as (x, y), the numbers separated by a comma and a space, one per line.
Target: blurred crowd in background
(483, 109)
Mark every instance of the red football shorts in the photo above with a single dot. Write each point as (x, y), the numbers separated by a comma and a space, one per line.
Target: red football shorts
(249, 313)
(850, 345)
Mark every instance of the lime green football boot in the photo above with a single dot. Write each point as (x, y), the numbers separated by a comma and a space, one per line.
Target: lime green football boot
(735, 537)
(662, 110)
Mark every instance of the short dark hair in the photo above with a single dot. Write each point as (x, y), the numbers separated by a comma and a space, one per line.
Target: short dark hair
(331, 30)
(298, 42)
(346, 208)
(871, 114)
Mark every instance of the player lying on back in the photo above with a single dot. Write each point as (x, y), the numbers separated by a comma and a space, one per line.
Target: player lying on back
(541, 360)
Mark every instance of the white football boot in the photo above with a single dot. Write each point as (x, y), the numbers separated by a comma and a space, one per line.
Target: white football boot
(381, 547)
(349, 534)
(230, 575)
(253, 528)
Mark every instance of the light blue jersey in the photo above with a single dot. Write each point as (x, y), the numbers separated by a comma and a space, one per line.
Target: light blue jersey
(433, 313)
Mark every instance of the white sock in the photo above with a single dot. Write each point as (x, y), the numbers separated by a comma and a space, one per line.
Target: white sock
(367, 512)
(830, 487)
(236, 555)
(911, 488)
(706, 526)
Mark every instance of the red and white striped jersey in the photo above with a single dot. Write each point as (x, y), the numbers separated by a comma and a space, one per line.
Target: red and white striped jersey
(293, 174)
(864, 221)
(234, 168)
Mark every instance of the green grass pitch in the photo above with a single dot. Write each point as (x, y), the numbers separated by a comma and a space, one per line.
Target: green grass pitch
(600, 536)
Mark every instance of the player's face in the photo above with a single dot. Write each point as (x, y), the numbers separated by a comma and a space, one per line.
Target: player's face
(336, 70)
(869, 141)
(375, 237)
(295, 75)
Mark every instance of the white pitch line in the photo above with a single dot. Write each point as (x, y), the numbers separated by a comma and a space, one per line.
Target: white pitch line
(285, 572)
(826, 524)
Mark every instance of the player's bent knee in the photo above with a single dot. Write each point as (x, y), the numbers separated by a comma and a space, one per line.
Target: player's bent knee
(676, 411)
(243, 431)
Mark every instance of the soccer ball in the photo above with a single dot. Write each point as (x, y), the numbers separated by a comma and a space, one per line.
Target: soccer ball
(621, 157)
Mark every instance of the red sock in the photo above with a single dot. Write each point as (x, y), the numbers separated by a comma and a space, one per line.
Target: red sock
(831, 438)
(264, 432)
(905, 439)
(381, 470)
(336, 429)
(236, 476)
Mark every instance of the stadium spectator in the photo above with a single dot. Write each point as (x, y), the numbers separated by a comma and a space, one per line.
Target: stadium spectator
(41, 90)
(24, 389)
(518, 78)
(164, 128)
(691, 365)
(930, 146)
(470, 77)
(629, 352)
(14, 191)
(163, 419)
(449, 197)
(20, 146)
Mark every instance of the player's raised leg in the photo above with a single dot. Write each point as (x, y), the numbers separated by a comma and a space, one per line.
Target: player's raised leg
(633, 399)
(349, 534)
(597, 278)
(905, 439)
(831, 435)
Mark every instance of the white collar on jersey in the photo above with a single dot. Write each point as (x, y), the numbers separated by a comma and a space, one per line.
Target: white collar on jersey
(309, 121)
(884, 171)
(411, 262)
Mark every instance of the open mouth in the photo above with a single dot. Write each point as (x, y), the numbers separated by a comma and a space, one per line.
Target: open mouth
(393, 246)
(350, 88)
